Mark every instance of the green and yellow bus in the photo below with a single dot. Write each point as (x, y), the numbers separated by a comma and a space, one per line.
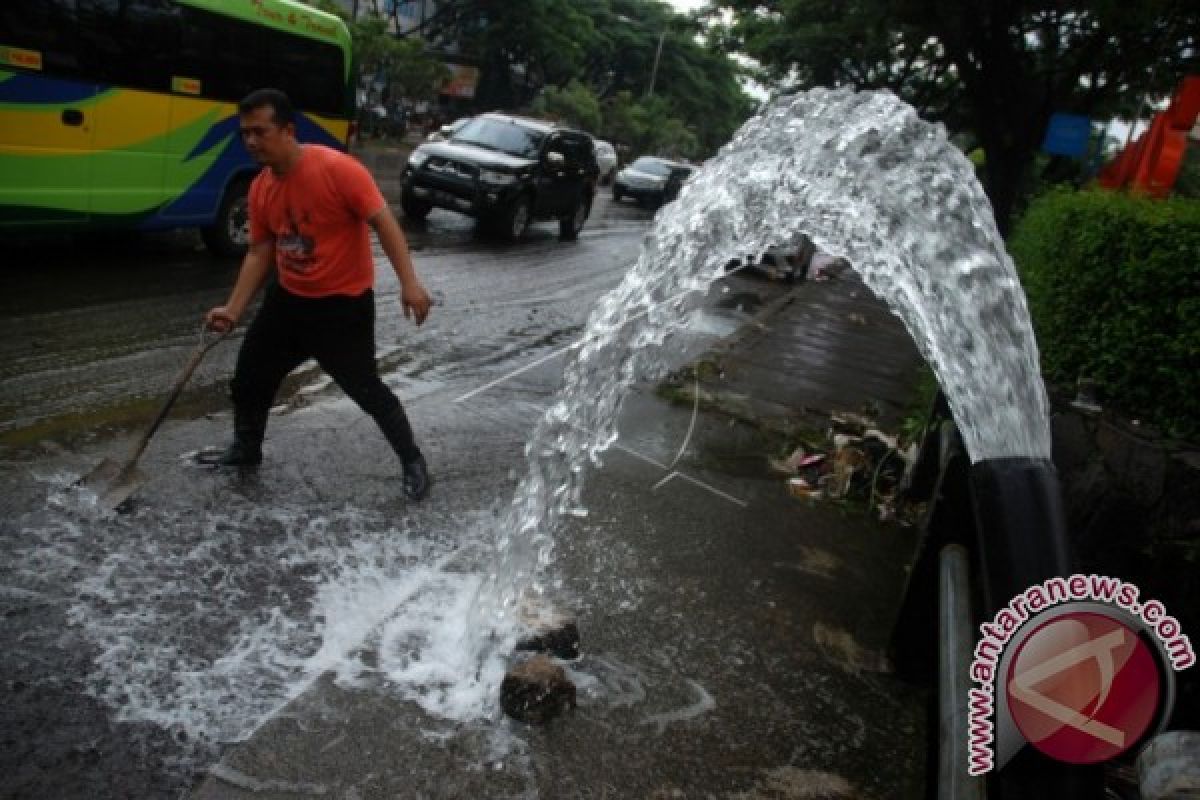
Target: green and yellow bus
(123, 113)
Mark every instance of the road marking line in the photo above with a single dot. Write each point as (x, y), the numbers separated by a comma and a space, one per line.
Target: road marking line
(579, 342)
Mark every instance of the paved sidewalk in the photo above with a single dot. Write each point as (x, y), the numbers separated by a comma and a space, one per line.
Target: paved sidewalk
(733, 635)
(830, 346)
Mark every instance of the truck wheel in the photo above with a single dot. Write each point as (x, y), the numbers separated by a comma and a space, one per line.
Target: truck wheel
(515, 220)
(414, 208)
(569, 227)
(229, 235)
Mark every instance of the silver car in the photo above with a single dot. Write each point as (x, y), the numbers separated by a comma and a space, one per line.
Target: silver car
(606, 158)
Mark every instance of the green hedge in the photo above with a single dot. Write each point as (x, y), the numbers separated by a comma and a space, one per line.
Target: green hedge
(1114, 290)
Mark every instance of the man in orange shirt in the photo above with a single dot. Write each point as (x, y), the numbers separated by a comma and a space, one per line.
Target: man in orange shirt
(309, 212)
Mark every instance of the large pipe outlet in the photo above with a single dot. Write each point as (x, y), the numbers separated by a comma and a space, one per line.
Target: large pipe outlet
(1021, 526)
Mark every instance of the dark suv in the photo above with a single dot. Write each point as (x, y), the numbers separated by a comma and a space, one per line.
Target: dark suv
(505, 171)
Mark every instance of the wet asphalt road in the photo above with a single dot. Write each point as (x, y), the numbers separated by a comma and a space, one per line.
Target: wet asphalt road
(92, 329)
(91, 335)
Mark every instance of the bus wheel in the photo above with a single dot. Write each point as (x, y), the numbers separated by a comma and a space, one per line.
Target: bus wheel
(229, 235)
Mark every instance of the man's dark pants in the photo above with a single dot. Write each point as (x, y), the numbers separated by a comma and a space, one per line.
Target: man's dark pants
(339, 332)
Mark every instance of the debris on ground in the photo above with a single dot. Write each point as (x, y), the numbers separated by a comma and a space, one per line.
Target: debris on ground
(857, 461)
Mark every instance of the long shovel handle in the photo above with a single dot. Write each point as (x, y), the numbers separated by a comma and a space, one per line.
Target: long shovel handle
(207, 342)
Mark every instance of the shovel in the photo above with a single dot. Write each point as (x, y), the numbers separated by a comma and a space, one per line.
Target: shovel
(115, 482)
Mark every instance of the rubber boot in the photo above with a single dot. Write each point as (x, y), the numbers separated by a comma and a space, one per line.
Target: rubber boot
(246, 448)
(398, 432)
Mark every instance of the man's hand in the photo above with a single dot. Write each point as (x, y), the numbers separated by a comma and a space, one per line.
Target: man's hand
(416, 302)
(221, 319)
(413, 297)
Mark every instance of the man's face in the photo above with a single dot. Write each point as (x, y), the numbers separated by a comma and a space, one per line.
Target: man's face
(265, 140)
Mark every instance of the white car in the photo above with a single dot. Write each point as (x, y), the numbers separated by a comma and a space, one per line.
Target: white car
(606, 159)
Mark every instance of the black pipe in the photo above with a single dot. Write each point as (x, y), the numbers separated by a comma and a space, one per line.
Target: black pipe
(1022, 540)
(1020, 524)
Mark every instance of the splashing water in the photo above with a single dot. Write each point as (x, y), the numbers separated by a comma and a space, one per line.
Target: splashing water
(863, 176)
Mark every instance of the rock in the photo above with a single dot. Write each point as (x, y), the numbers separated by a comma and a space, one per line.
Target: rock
(1169, 766)
(562, 641)
(536, 691)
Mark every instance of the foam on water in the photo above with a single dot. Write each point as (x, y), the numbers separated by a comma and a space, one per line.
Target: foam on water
(207, 624)
(864, 177)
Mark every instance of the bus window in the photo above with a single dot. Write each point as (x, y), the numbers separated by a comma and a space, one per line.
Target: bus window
(290, 57)
(44, 26)
(225, 54)
(129, 43)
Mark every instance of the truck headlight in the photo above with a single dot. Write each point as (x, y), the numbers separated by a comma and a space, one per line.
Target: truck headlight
(417, 158)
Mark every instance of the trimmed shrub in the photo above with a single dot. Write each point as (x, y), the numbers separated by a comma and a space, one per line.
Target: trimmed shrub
(1114, 290)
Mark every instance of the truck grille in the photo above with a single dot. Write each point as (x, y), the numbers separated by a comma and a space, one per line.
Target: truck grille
(452, 169)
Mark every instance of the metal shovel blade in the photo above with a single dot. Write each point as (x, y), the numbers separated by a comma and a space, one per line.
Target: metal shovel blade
(113, 483)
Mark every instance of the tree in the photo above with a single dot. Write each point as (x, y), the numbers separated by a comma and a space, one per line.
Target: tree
(996, 69)
(519, 45)
(574, 104)
(404, 64)
(558, 48)
(696, 77)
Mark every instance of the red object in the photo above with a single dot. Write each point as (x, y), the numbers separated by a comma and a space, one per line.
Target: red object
(1083, 688)
(1151, 163)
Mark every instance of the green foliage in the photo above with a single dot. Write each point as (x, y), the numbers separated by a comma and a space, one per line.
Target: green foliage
(1114, 290)
(916, 413)
(995, 69)
(574, 104)
(1187, 184)
(404, 63)
(649, 126)
(554, 53)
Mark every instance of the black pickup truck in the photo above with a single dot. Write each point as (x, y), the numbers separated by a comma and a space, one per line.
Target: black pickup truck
(506, 171)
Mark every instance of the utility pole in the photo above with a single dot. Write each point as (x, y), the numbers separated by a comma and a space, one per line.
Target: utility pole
(654, 69)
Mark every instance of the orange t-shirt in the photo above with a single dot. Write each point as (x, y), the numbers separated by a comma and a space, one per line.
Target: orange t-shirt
(317, 214)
